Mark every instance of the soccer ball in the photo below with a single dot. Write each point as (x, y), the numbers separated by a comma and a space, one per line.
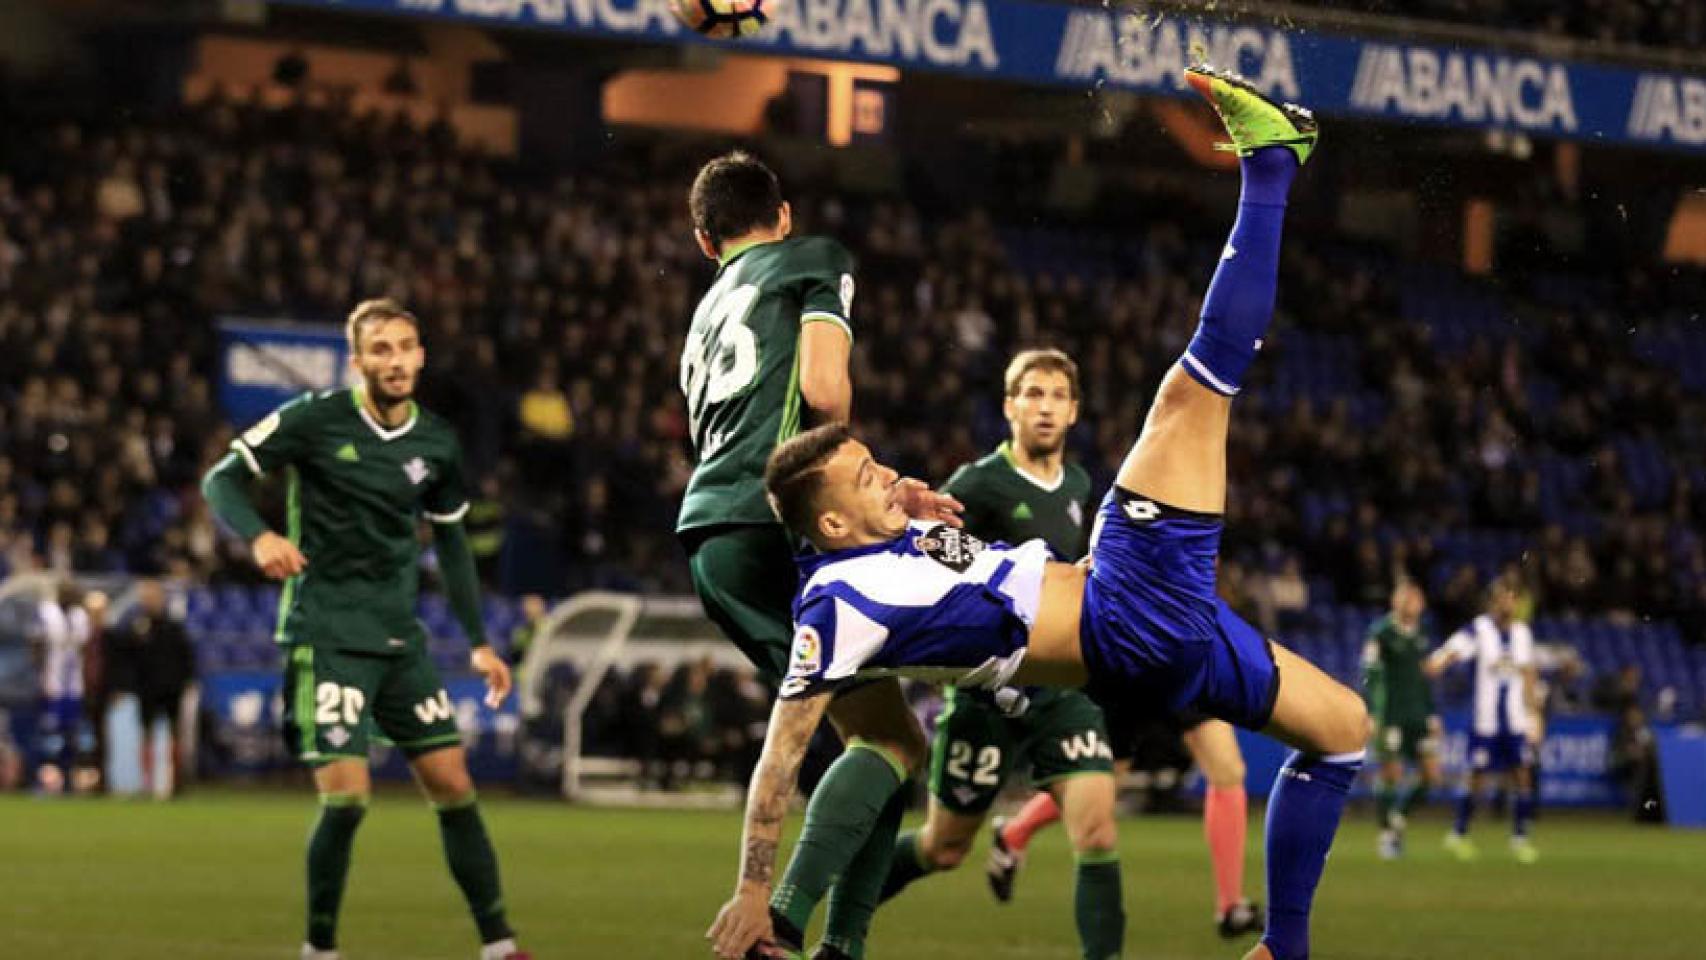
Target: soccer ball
(721, 18)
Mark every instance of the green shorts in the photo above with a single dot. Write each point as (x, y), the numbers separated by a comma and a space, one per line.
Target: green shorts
(745, 577)
(1408, 741)
(975, 745)
(334, 701)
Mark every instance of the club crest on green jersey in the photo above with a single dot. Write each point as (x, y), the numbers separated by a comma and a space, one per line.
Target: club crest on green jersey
(416, 470)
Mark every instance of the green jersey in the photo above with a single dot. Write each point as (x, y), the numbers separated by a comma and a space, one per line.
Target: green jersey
(1398, 692)
(740, 369)
(1005, 503)
(357, 493)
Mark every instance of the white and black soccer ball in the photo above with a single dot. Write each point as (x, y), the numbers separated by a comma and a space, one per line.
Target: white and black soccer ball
(721, 18)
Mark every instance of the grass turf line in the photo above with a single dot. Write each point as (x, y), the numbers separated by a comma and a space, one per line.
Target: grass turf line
(218, 875)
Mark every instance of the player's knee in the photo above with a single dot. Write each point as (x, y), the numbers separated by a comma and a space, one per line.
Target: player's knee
(1096, 837)
(345, 798)
(947, 854)
(1175, 395)
(1347, 726)
(907, 748)
(1353, 729)
(449, 788)
(1225, 773)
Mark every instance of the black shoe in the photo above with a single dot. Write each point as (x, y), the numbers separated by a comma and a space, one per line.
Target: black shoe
(826, 952)
(1003, 865)
(1243, 918)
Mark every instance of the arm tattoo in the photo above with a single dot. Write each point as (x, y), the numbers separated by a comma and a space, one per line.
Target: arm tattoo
(791, 727)
(759, 864)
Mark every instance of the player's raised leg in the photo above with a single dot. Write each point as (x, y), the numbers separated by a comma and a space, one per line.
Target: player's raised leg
(1180, 458)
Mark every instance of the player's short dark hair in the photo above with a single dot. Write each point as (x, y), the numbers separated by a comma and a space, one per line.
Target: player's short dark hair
(377, 310)
(733, 195)
(793, 477)
(1050, 359)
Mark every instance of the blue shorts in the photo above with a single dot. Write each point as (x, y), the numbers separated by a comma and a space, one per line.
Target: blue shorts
(1499, 752)
(1153, 632)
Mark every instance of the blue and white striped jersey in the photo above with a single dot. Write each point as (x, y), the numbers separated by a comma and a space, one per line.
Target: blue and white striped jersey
(1500, 659)
(935, 604)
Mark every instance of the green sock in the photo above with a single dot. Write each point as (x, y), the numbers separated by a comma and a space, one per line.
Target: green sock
(474, 864)
(906, 865)
(854, 898)
(1098, 906)
(843, 810)
(1412, 797)
(328, 864)
(1385, 800)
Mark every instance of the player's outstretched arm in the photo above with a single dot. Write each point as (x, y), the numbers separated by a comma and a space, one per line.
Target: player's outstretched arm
(1450, 653)
(226, 489)
(745, 919)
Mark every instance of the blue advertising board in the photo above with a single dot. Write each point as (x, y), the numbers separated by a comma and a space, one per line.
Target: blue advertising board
(1574, 760)
(1087, 46)
(264, 363)
(248, 717)
(1682, 770)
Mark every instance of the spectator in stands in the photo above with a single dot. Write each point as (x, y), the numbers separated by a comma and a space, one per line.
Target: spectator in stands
(527, 630)
(167, 665)
(1635, 764)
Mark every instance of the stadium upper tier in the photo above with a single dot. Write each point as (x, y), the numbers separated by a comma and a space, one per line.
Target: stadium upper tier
(1675, 24)
(1415, 418)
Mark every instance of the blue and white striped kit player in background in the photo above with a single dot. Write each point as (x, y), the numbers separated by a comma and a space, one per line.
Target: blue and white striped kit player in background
(1141, 621)
(1507, 698)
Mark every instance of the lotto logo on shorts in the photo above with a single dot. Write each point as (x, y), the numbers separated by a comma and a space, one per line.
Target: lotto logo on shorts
(1141, 511)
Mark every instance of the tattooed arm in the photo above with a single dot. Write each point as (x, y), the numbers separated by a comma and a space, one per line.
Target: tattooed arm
(745, 919)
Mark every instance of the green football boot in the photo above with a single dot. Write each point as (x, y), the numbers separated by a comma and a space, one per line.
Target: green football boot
(1253, 120)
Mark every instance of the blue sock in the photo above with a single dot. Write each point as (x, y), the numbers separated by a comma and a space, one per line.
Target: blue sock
(1465, 812)
(1303, 814)
(1523, 813)
(1240, 299)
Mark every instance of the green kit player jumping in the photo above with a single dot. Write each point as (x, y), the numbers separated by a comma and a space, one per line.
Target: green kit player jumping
(364, 467)
(1026, 490)
(766, 355)
(1406, 729)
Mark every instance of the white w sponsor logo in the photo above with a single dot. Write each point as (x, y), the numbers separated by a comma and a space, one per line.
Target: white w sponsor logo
(434, 709)
(1086, 746)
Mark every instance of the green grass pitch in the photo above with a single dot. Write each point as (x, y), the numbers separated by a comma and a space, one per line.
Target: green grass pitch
(218, 876)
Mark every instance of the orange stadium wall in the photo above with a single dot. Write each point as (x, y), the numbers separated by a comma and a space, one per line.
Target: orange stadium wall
(731, 98)
(241, 65)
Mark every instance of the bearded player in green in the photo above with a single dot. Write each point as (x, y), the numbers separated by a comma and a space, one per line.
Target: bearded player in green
(767, 355)
(1406, 729)
(1027, 489)
(365, 465)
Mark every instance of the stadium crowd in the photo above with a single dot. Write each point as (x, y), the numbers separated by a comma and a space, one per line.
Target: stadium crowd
(1680, 24)
(1400, 438)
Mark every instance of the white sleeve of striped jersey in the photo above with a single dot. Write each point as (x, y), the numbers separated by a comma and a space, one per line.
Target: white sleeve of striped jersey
(832, 640)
